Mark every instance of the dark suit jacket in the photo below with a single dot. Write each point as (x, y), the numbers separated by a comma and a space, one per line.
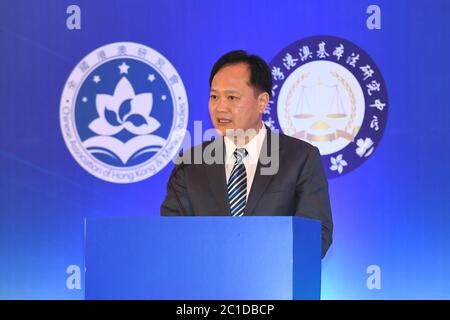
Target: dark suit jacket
(299, 187)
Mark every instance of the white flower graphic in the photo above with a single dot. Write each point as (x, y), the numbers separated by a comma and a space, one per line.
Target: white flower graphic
(338, 163)
(124, 110)
(363, 146)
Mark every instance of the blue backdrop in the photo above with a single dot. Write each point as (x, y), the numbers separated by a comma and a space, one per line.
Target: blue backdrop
(392, 212)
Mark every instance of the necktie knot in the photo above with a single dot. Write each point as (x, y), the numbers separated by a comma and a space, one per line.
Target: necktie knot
(239, 154)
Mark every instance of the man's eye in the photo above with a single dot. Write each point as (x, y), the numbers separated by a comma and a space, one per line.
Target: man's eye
(213, 97)
(232, 98)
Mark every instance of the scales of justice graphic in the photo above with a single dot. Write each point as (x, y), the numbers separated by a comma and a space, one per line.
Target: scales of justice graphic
(323, 108)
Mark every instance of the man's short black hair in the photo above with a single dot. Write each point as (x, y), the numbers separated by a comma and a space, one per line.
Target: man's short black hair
(260, 77)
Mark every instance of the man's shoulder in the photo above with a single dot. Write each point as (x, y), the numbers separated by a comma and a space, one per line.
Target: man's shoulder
(202, 146)
(294, 143)
(197, 153)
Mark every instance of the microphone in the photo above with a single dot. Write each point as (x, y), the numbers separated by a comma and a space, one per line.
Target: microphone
(171, 186)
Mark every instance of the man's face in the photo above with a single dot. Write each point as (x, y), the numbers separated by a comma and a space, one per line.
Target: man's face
(233, 103)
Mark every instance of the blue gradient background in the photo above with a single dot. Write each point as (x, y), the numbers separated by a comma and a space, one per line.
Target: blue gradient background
(393, 211)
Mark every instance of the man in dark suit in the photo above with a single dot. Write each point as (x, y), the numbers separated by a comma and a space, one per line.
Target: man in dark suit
(250, 169)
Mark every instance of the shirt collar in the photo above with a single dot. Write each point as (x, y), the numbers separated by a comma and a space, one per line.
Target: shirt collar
(253, 147)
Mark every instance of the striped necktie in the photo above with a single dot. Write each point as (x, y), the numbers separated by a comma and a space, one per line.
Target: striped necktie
(237, 184)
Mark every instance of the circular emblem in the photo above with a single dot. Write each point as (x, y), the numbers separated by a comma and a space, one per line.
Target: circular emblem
(329, 92)
(123, 112)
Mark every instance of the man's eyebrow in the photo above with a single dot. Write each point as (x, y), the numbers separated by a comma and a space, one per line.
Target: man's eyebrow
(225, 91)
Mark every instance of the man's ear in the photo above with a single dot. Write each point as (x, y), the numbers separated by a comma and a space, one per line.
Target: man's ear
(263, 100)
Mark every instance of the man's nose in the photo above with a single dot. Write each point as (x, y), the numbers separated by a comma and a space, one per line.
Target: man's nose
(221, 106)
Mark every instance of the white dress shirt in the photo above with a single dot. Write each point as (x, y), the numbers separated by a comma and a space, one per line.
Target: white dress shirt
(253, 148)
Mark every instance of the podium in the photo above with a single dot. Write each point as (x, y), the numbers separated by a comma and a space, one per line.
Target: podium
(206, 258)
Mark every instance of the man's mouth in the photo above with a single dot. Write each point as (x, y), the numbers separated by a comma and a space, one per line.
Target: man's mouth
(223, 121)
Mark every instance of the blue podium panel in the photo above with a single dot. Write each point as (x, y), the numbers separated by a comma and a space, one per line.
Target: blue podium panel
(202, 258)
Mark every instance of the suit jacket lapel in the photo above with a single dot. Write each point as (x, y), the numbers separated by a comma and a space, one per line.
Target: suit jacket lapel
(217, 180)
(260, 182)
